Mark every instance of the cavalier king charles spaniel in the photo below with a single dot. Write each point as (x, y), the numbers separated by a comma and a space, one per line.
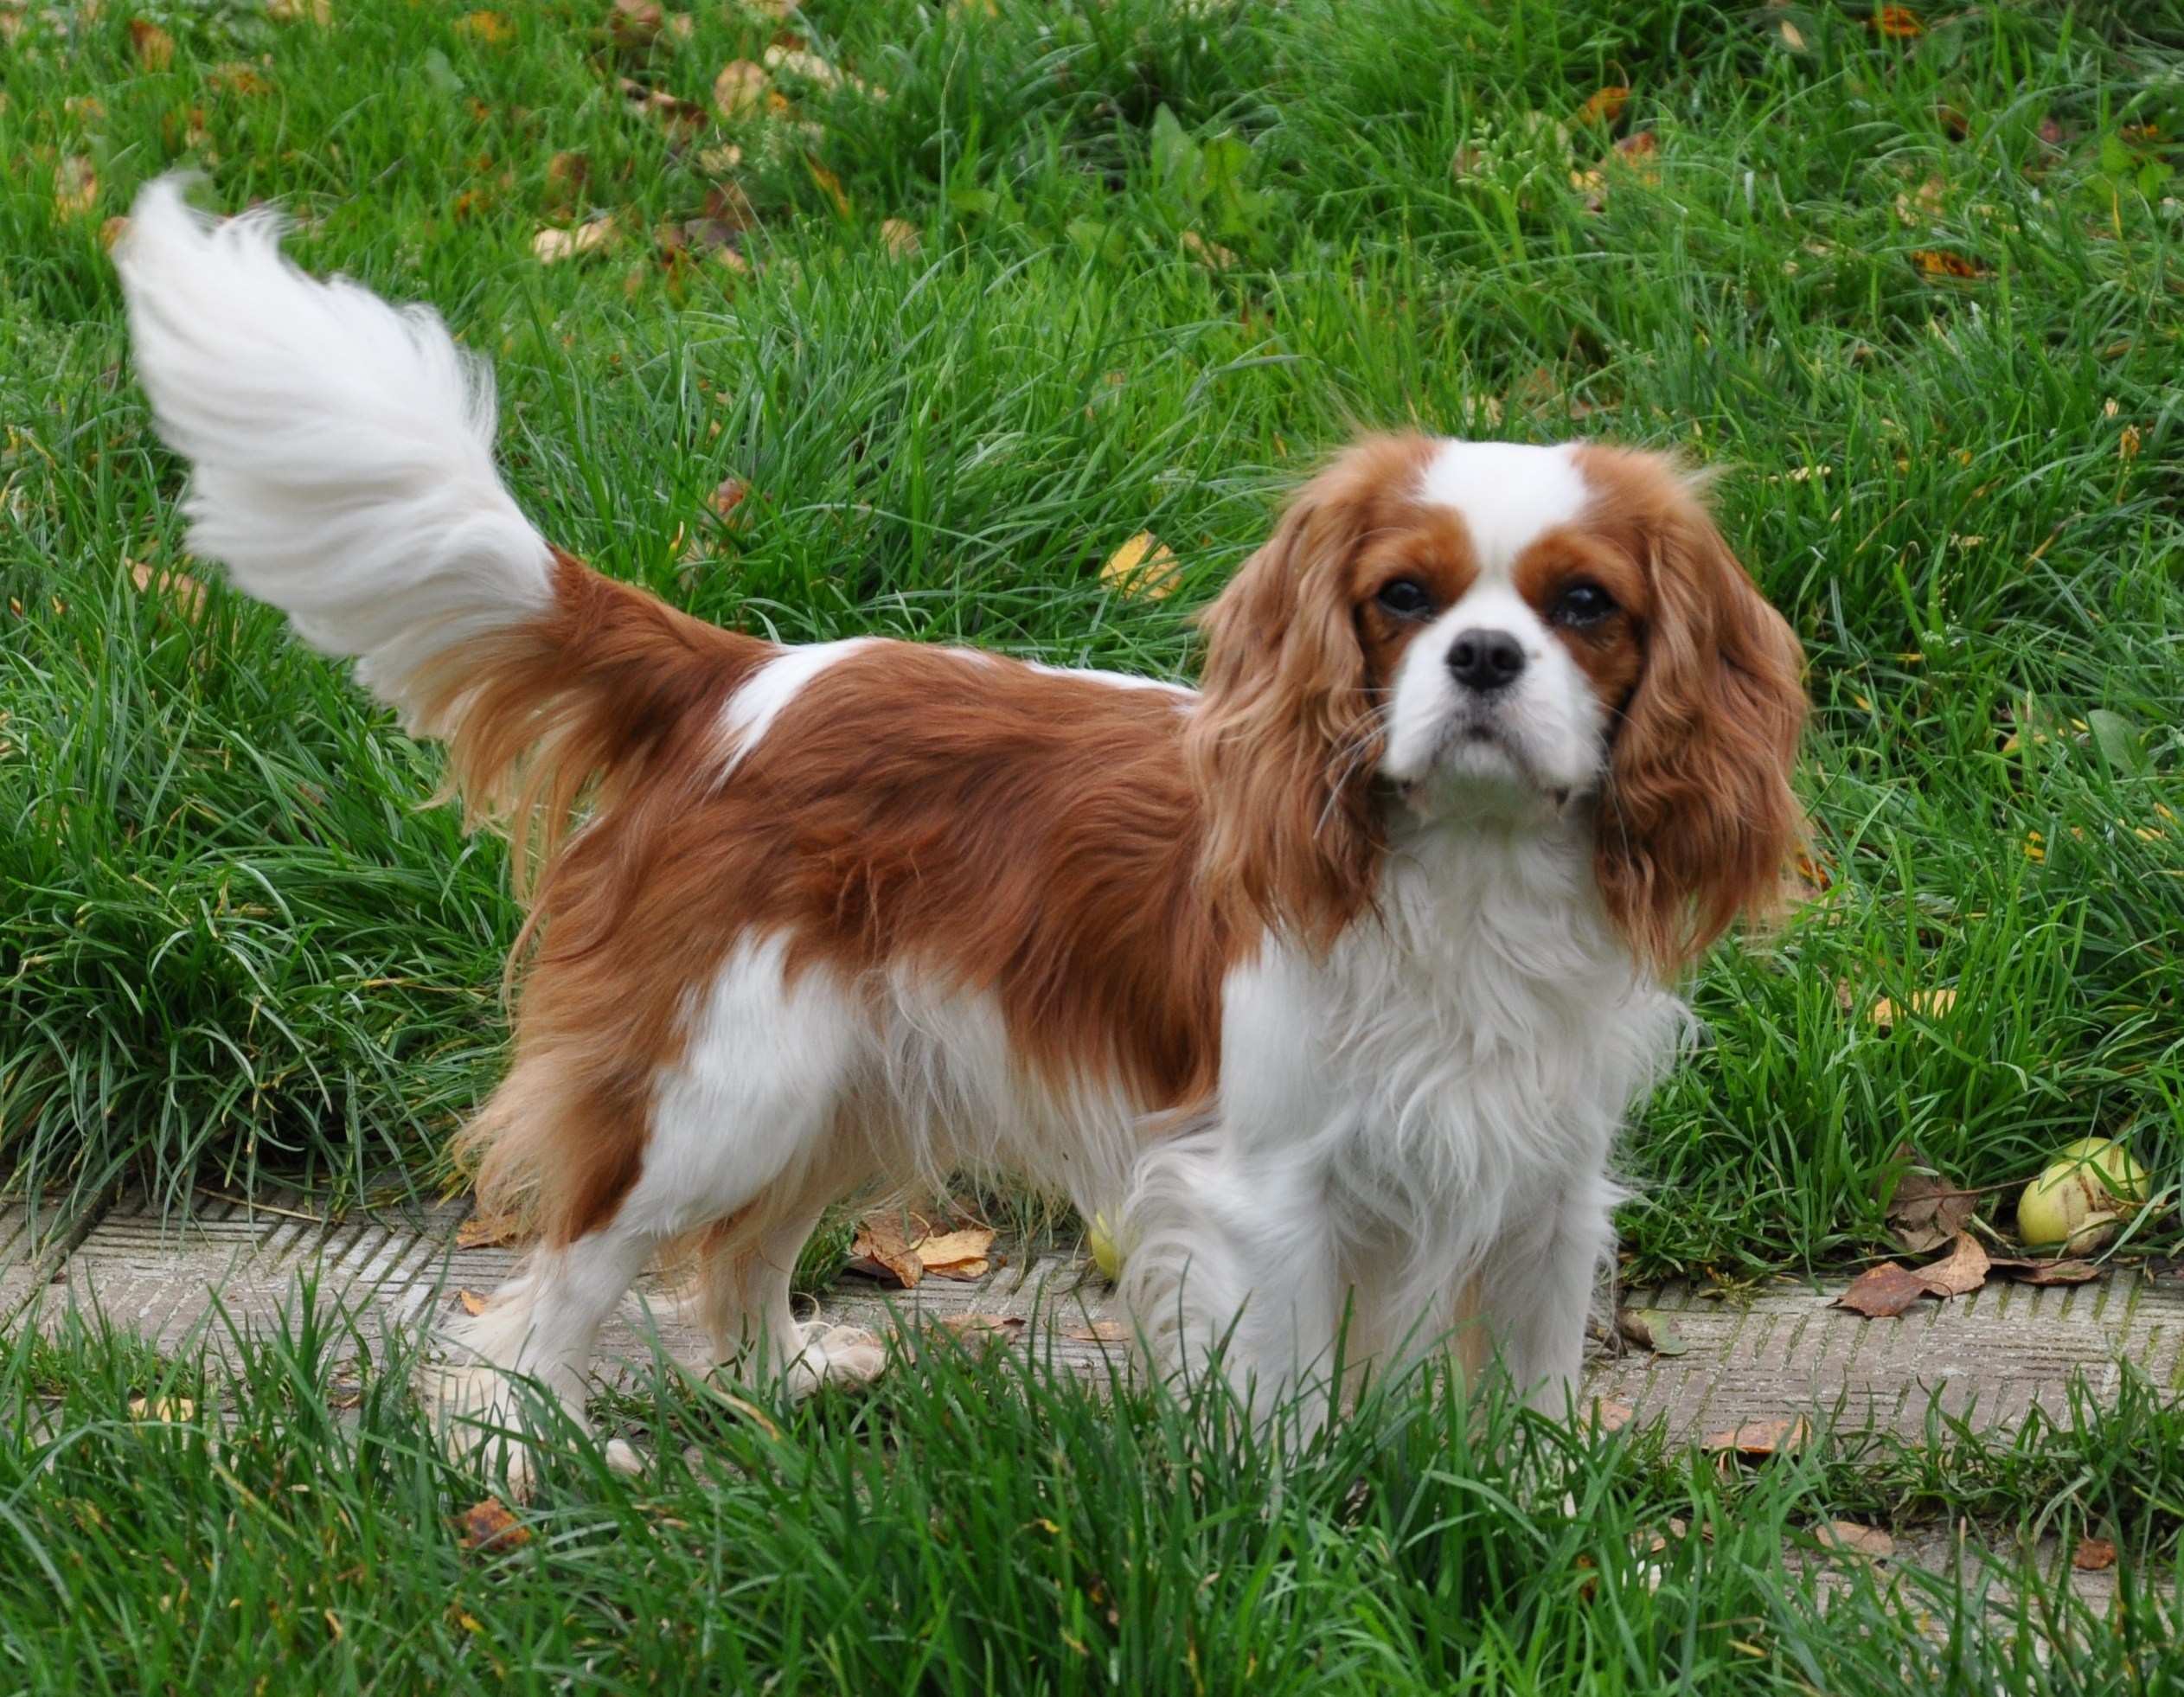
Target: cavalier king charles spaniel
(1330, 980)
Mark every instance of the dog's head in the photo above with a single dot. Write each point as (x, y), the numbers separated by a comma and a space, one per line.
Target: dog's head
(1487, 633)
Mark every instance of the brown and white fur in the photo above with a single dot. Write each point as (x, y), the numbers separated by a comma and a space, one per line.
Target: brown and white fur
(1331, 980)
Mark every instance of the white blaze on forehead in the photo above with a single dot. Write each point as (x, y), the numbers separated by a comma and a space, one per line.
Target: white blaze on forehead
(1509, 493)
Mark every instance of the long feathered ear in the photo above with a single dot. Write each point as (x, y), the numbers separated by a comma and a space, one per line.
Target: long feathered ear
(1285, 739)
(1698, 816)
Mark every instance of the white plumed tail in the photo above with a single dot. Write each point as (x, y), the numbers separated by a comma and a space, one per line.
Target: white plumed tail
(341, 450)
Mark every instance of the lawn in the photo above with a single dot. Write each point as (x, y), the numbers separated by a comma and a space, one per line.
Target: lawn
(909, 334)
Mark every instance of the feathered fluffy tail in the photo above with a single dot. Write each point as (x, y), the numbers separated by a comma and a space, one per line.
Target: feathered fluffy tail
(342, 469)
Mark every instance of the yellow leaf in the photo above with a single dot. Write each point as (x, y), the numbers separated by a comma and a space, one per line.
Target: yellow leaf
(472, 1303)
(320, 12)
(1928, 1004)
(1899, 21)
(1207, 253)
(162, 1408)
(1606, 105)
(491, 27)
(551, 246)
(75, 187)
(1141, 567)
(186, 593)
(737, 88)
(2128, 445)
(959, 1254)
(1939, 262)
(828, 181)
(154, 47)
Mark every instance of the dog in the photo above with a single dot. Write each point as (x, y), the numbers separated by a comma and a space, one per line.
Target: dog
(1330, 980)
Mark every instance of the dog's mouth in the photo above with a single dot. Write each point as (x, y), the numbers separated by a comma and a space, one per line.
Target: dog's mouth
(1477, 756)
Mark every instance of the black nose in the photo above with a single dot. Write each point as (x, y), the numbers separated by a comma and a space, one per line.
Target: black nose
(1486, 660)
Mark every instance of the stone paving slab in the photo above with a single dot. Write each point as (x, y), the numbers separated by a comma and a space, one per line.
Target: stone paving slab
(1782, 1351)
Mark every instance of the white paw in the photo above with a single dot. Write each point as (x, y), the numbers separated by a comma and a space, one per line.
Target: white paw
(835, 1355)
(622, 1457)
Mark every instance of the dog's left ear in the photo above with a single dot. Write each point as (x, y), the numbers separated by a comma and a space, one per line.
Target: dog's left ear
(1698, 817)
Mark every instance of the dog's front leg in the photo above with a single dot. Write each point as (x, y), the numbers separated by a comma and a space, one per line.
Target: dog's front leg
(1232, 1266)
(1537, 1286)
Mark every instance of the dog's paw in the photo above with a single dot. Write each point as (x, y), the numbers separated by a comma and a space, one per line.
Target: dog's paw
(835, 1355)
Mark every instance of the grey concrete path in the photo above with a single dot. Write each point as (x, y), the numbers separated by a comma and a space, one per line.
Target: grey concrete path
(1782, 1351)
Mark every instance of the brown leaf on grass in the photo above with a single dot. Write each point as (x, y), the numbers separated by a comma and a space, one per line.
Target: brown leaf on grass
(565, 175)
(1939, 262)
(720, 161)
(473, 1304)
(1210, 254)
(238, 77)
(488, 1526)
(960, 1254)
(728, 495)
(177, 1410)
(493, 29)
(552, 244)
(487, 1231)
(1759, 1438)
(1927, 1004)
(2092, 1555)
(1638, 151)
(657, 103)
(739, 88)
(881, 1249)
(1926, 1212)
(1606, 104)
(900, 237)
(1882, 1292)
(154, 47)
(830, 184)
(1898, 21)
(636, 23)
(320, 12)
(75, 187)
(186, 592)
(798, 62)
(2127, 446)
(1963, 1271)
(1141, 567)
(1869, 1541)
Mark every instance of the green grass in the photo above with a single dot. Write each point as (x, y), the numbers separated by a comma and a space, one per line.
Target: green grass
(986, 1527)
(232, 942)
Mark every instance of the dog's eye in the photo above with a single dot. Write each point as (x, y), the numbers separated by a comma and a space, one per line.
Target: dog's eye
(1406, 598)
(1583, 603)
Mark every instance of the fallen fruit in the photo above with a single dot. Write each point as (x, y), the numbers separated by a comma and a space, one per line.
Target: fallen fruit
(1106, 1256)
(2082, 1197)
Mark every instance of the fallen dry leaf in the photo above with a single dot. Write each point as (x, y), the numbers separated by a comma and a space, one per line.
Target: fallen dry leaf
(1899, 21)
(636, 23)
(831, 184)
(1790, 35)
(551, 246)
(1644, 1330)
(799, 63)
(1882, 1292)
(186, 592)
(320, 12)
(233, 76)
(669, 109)
(154, 47)
(1141, 567)
(1923, 1211)
(1940, 262)
(472, 1303)
(1099, 1331)
(2048, 1272)
(900, 237)
(567, 174)
(728, 495)
(738, 88)
(1963, 1271)
(1759, 1437)
(162, 1408)
(1613, 1416)
(1853, 1538)
(486, 1231)
(491, 27)
(881, 1250)
(1928, 1004)
(75, 187)
(1207, 253)
(960, 1254)
(2127, 445)
(2092, 1555)
(1606, 105)
(488, 1526)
